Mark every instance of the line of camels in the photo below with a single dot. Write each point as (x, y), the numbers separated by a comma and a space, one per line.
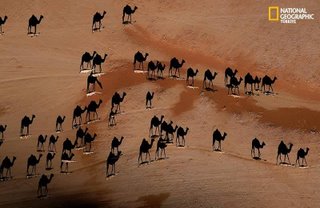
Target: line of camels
(155, 70)
(97, 18)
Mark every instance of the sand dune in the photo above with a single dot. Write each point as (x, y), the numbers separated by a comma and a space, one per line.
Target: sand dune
(40, 75)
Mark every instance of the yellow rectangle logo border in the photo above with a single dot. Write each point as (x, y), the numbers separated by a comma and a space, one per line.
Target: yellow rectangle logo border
(276, 8)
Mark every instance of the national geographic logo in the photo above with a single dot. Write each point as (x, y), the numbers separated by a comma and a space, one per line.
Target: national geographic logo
(288, 15)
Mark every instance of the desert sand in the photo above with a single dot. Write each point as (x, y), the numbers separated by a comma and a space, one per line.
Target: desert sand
(40, 76)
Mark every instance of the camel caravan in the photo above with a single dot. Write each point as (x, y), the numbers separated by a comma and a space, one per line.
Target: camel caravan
(155, 70)
(162, 132)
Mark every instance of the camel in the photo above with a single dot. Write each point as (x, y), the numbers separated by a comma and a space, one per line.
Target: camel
(155, 122)
(88, 139)
(116, 143)
(216, 136)
(6, 164)
(43, 184)
(68, 146)
(33, 22)
(33, 161)
(234, 85)
(65, 158)
(174, 63)
(138, 57)
(59, 122)
(111, 160)
(127, 10)
(256, 145)
(52, 143)
(3, 128)
(86, 58)
(144, 148)
(192, 74)
(160, 70)
(112, 118)
(117, 100)
(284, 150)
(208, 76)
(97, 17)
(50, 157)
(161, 147)
(256, 83)
(170, 133)
(80, 134)
(302, 154)
(229, 73)
(181, 133)
(92, 108)
(269, 82)
(248, 79)
(41, 140)
(2, 22)
(97, 61)
(152, 68)
(25, 123)
(77, 112)
(149, 98)
(163, 127)
(92, 80)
